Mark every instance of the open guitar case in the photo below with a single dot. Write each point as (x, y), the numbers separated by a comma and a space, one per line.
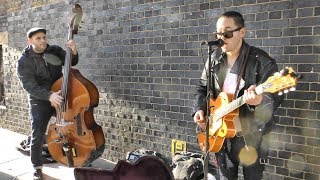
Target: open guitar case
(145, 168)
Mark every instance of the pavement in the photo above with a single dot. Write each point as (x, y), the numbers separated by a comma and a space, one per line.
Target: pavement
(16, 166)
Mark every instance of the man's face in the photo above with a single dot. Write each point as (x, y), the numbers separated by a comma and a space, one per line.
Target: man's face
(232, 44)
(38, 42)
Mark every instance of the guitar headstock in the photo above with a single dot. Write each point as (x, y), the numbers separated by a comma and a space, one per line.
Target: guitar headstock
(281, 82)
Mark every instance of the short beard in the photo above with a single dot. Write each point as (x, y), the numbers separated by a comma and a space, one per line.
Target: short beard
(37, 50)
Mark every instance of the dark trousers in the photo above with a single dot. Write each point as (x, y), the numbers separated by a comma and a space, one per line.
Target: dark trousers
(228, 160)
(40, 113)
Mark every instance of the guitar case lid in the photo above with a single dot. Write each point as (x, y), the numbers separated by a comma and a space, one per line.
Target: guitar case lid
(145, 168)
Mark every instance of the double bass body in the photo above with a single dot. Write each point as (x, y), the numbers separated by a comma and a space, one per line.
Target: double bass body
(84, 138)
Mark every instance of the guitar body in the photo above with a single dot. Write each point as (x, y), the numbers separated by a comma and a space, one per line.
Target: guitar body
(215, 142)
(229, 118)
(221, 128)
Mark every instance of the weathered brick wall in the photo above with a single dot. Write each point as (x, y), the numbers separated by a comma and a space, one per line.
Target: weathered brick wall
(145, 58)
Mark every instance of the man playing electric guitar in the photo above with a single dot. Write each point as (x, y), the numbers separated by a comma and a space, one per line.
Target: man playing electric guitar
(250, 121)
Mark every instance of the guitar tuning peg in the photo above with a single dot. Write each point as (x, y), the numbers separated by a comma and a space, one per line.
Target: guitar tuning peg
(80, 27)
(299, 76)
(285, 91)
(276, 74)
(280, 93)
(284, 72)
(292, 88)
(82, 21)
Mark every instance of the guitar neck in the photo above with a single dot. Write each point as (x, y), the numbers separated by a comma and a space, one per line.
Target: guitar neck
(218, 114)
(235, 104)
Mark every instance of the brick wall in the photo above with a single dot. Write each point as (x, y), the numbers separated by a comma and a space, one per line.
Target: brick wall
(145, 58)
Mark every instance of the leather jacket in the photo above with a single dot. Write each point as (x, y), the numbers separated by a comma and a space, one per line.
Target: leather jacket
(38, 71)
(258, 68)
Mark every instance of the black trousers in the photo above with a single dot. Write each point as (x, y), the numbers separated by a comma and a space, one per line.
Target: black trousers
(228, 159)
(40, 113)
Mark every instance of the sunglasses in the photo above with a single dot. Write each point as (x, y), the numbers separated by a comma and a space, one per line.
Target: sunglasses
(227, 34)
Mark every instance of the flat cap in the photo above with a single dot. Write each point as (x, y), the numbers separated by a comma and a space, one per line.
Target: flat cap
(34, 30)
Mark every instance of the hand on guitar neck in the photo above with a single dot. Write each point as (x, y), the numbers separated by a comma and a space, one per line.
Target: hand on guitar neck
(251, 97)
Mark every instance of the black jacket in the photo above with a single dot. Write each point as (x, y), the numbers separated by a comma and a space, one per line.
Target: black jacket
(259, 67)
(37, 72)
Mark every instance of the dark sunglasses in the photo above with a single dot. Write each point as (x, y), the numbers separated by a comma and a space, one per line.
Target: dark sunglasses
(227, 34)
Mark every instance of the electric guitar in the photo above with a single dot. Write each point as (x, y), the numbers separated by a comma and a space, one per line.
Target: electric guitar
(223, 113)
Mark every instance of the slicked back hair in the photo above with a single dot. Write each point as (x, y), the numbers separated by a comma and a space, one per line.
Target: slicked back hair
(236, 16)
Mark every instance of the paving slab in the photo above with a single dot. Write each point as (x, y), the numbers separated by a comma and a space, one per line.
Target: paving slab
(16, 166)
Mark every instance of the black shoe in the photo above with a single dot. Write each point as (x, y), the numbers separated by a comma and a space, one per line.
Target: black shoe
(38, 174)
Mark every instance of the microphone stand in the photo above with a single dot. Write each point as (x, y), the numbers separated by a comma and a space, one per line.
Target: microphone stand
(209, 94)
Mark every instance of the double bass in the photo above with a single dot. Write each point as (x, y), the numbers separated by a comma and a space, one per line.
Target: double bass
(74, 138)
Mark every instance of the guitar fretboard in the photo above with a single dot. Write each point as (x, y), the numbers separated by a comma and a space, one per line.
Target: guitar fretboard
(228, 108)
(218, 114)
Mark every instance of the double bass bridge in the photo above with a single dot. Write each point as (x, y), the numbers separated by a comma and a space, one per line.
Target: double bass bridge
(64, 123)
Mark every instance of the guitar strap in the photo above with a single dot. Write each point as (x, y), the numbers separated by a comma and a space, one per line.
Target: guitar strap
(236, 121)
(243, 66)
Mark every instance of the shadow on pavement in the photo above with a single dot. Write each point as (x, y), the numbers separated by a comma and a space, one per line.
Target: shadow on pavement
(4, 176)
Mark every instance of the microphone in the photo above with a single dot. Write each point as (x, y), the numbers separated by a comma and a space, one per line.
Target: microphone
(218, 43)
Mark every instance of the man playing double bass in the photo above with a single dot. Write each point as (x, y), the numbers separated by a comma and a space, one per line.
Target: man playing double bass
(39, 66)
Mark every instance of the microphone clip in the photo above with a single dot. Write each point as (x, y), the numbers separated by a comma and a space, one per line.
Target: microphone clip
(218, 42)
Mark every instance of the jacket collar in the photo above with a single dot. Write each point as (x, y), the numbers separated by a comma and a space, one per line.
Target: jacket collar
(237, 64)
(220, 67)
(28, 51)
